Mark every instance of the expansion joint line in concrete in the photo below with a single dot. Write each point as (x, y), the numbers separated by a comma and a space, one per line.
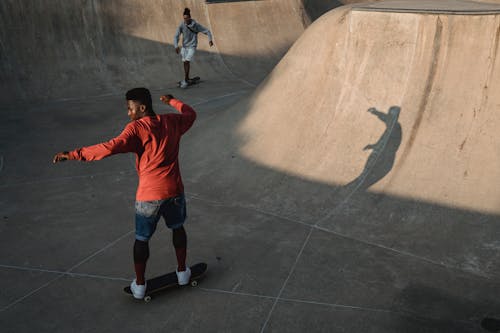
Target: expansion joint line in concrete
(210, 290)
(69, 273)
(315, 226)
(65, 273)
(286, 280)
(50, 180)
(363, 176)
(238, 92)
(324, 229)
(338, 307)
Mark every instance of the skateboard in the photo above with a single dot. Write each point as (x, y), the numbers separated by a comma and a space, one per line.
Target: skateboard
(191, 82)
(169, 280)
(491, 324)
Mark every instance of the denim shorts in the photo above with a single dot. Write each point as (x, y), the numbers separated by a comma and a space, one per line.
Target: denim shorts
(148, 213)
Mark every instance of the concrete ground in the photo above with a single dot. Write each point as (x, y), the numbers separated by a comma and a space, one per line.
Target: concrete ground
(311, 213)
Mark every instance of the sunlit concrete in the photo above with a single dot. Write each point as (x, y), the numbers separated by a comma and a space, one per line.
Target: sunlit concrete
(341, 175)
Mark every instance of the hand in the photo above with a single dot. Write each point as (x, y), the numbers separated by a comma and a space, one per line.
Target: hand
(177, 50)
(60, 157)
(211, 43)
(166, 98)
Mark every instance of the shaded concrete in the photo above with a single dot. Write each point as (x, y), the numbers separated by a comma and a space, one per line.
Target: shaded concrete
(354, 190)
(86, 48)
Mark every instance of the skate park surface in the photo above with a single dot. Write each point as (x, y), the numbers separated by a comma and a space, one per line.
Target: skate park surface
(342, 174)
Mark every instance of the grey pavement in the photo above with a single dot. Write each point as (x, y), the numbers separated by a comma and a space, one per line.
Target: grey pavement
(301, 232)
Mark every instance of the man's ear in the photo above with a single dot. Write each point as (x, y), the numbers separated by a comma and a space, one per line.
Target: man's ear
(142, 108)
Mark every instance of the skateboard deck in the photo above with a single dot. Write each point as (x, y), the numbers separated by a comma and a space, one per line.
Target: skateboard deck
(169, 280)
(491, 324)
(191, 82)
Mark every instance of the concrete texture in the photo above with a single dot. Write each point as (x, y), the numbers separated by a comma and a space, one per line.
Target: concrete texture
(342, 175)
(464, 7)
(74, 49)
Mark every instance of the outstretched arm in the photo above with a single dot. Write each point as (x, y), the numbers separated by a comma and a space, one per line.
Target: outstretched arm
(369, 147)
(123, 143)
(382, 116)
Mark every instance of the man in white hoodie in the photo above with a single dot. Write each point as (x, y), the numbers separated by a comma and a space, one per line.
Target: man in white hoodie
(189, 29)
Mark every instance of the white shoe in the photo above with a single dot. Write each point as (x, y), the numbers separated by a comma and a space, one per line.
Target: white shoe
(138, 290)
(184, 276)
(184, 84)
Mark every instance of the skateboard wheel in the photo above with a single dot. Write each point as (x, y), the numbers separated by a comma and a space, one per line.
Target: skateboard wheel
(147, 299)
(194, 283)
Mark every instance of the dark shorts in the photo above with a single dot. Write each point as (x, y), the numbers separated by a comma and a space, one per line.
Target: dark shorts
(148, 213)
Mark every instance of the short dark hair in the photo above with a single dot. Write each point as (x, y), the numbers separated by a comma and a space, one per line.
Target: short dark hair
(141, 95)
(187, 12)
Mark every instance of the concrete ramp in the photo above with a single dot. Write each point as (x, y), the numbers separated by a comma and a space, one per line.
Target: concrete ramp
(342, 176)
(70, 50)
(409, 111)
(377, 126)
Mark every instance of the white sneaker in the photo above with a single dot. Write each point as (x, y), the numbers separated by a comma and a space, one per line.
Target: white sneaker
(184, 84)
(138, 290)
(184, 276)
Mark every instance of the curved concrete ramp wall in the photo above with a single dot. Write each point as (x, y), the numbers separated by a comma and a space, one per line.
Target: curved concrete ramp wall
(355, 191)
(385, 132)
(70, 49)
(433, 134)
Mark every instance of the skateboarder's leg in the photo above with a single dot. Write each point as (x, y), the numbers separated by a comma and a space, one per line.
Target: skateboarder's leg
(187, 66)
(187, 54)
(146, 218)
(175, 215)
(141, 256)
(179, 239)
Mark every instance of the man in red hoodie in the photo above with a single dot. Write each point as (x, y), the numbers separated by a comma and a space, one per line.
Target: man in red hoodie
(160, 193)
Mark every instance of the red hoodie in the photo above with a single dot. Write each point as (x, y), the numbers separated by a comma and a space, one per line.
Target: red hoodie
(155, 141)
